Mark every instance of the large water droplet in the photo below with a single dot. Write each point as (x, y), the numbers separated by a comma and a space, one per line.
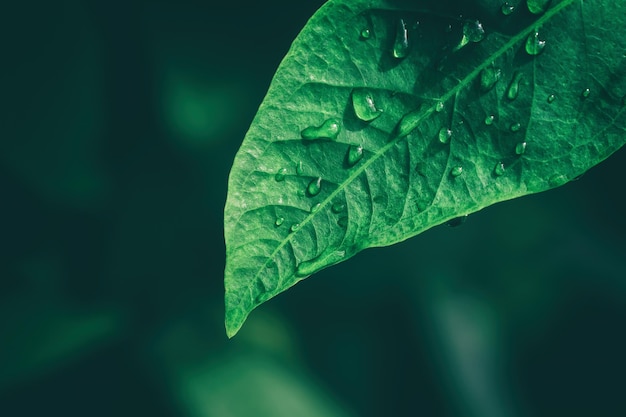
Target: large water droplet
(507, 8)
(515, 127)
(338, 207)
(314, 187)
(456, 171)
(299, 168)
(538, 6)
(366, 33)
(513, 90)
(280, 175)
(364, 105)
(551, 98)
(401, 42)
(409, 122)
(489, 77)
(534, 45)
(327, 130)
(585, 93)
(473, 31)
(557, 180)
(445, 135)
(355, 154)
(279, 221)
(307, 268)
(520, 148)
(499, 169)
(490, 119)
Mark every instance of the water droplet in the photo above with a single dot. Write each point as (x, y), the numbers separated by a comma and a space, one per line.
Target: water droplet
(263, 297)
(513, 90)
(473, 31)
(515, 127)
(342, 222)
(338, 207)
(439, 107)
(445, 135)
(448, 29)
(507, 8)
(280, 175)
(409, 122)
(499, 169)
(490, 119)
(364, 105)
(355, 154)
(315, 207)
(585, 93)
(489, 77)
(401, 43)
(328, 130)
(307, 268)
(557, 180)
(457, 221)
(299, 168)
(314, 187)
(294, 227)
(456, 171)
(520, 148)
(538, 6)
(534, 45)
(366, 33)
(551, 98)
(279, 221)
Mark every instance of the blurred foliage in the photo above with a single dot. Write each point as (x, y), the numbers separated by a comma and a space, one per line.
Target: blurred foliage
(120, 122)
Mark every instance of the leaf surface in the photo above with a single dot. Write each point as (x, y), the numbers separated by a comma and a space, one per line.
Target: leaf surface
(387, 118)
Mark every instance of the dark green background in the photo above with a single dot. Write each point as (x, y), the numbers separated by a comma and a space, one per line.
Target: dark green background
(119, 124)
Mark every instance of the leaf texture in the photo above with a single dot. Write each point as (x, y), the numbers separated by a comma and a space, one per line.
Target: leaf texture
(387, 118)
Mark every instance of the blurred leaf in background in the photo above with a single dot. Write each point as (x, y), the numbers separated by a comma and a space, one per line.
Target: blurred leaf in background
(120, 122)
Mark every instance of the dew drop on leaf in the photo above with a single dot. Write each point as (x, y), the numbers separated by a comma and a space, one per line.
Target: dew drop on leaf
(585, 93)
(513, 90)
(364, 105)
(299, 168)
(557, 180)
(355, 154)
(279, 221)
(338, 208)
(307, 268)
(473, 31)
(294, 227)
(445, 135)
(280, 175)
(366, 33)
(342, 222)
(315, 207)
(314, 187)
(456, 171)
(538, 6)
(489, 77)
(328, 130)
(401, 41)
(490, 119)
(534, 45)
(409, 122)
(507, 8)
(499, 169)
(439, 106)
(520, 148)
(551, 98)
(515, 127)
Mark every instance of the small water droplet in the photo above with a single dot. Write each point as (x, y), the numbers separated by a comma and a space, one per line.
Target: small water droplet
(585, 93)
(499, 169)
(439, 107)
(534, 45)
(445, 135)
(489, 77)
(409, 122)
(401, 42)
(557, 180)
(366, 33)
(355, 154)
(279, 221)
(294, 227)
(551, 98)
(490, 119)
(448, 29)
(538, 6)
(364, 105)
(513, 90)
(473, 31)
(507, 8)
(314, 187)
(456, 171)
(515, 127)
(327, 130)
(457, 221)
(280, 175)
(315, 207)
(520, 148)
(342, 222)
(307, 268)
(338, 207)
(299, 168)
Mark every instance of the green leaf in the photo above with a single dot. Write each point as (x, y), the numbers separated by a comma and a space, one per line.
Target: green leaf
(389, 117)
